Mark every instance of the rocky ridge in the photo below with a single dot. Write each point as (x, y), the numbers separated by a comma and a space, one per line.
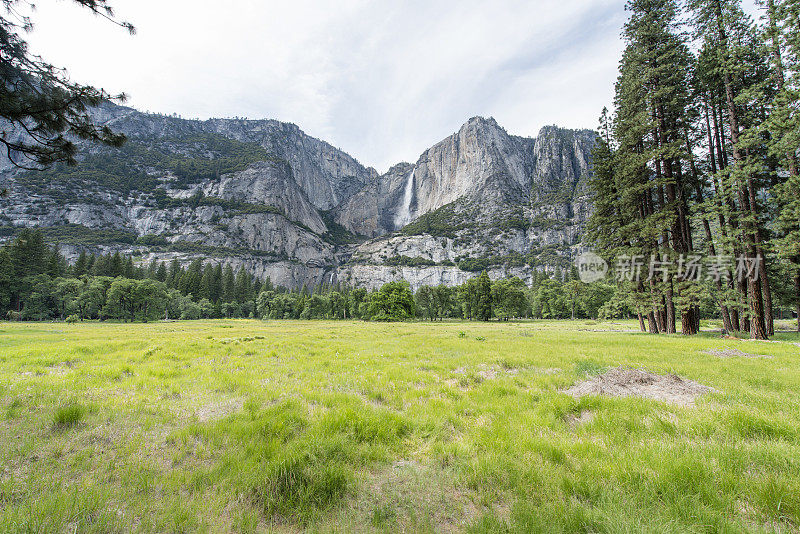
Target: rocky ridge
(265, 196)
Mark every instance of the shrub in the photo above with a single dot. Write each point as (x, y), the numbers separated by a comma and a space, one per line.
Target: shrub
(72, 319)
(337, 234)
(191, 311)
(76, 234)
(190, 158)
(443, 222)
(152, 240)
(392, 302)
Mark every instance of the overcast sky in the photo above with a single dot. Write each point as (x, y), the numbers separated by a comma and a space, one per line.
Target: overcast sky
(383, 80)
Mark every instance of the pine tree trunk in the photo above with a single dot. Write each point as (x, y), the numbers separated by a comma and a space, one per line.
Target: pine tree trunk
(642, 327)
(755, 286)
(767, 294)
(651, 323)
(720, 133)
(658, 309)
(677, 229)
(670, 318)
(758, 329)
(797, 296)
(744, 322)
(728, 319)
(695, 320)
(689, 322)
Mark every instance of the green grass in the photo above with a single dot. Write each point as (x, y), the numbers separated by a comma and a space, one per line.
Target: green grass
(249, 426)
(70, 414)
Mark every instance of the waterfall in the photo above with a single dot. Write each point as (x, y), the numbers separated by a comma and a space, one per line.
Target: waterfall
(403, 217)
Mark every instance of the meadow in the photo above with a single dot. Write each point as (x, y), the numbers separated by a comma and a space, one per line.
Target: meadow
(252, 426)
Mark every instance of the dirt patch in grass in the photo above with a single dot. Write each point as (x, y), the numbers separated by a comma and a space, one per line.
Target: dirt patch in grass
(734, 353)
(490, 372)
(547, 370)
(468, 377)
(218, 409)
(574, 421)
(410, 496)
(625, 382)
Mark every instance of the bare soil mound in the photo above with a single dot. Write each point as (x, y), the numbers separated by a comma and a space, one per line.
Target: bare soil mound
(625, 382)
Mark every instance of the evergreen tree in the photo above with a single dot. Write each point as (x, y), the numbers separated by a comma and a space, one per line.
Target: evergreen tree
(228, 284)
(483, 310)
(654, 85)
(256, 289)
(175, 274)
(783, 127)
(216, 284)
(29, 254)
(42, 101)
(206, 283)
(161, 273)
(6, 279)
(56, 264)
(129, 270)
(152, 269)
(726, 32)
(116, 266)
(81, 267)
(242, 289)
(191, 281)
(90, 264)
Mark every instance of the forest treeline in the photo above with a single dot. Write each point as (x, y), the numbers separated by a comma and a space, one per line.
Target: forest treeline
(699, 157)
(37, 283)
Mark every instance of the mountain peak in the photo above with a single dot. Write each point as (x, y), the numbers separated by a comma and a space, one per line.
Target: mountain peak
(552, 129)
(480, 122)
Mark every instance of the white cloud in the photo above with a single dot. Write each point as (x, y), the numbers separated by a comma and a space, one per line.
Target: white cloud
(381, 80)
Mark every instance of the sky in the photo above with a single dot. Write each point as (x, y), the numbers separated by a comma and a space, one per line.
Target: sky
(382, 80)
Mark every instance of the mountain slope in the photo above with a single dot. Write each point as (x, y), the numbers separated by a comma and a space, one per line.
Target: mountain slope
(480, 199)
(327, 175)
(263, 195)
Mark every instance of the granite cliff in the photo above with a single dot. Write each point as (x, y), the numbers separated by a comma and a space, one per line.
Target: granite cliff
(266, 196)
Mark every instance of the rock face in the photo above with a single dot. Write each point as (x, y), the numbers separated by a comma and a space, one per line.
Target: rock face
(265, 196)
(481, 162)
(271, 184)
(480, 199)
(327, 175)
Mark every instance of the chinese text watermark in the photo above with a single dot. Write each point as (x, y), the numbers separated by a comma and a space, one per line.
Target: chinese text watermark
(683, 268)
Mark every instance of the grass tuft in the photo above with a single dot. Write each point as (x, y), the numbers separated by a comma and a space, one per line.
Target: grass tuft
(383, 516)
(69, 414)
(589, 368)
(301, 485)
